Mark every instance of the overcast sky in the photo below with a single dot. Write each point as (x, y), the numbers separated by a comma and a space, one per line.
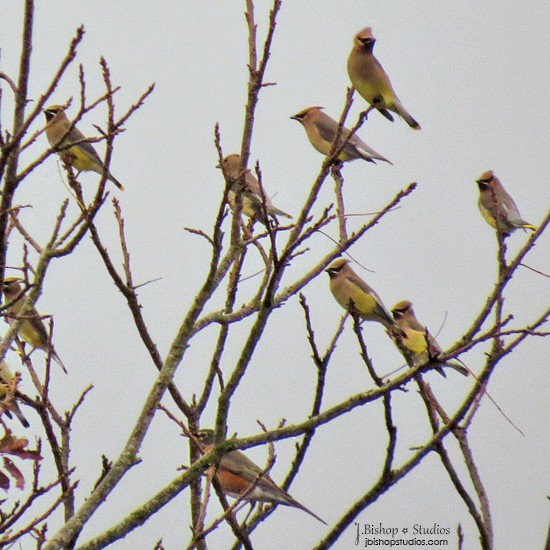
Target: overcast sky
(474, 74)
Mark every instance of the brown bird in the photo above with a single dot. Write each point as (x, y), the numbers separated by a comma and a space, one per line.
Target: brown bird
(82, 155)
(321, 130)
(423, 347)
(32, 330)
(497, 207)
(236, 473)
(253, 200)
(371, 81)
(349, 289)
(7, 397)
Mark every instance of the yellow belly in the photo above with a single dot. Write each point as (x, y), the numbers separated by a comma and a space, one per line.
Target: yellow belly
(29, 334)
(80, 160)
(416, 343)
(487, 216)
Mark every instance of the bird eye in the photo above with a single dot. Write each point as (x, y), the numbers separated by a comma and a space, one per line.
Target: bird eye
(486, 181)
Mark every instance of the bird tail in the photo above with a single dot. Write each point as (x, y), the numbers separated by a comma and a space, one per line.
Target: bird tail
(17, 411)
(295, 504)
(384, 159)
(370, 155)
(387, 114)
(440, 370)
(276, 212)
(406, 116)
(57, 359)
(110, 177)
(10, 406)
(457, 367)
(529, 226)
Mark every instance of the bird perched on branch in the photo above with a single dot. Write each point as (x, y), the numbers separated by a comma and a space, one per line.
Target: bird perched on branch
(255, 202)
(237, 473)
(497, 207)
(7, 391)
(32, 329)
(417, 340)
(321, 131)
(371, 81)
(355, 295)
(71, 144)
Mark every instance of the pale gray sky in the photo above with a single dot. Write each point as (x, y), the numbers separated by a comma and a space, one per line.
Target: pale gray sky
(474, 74)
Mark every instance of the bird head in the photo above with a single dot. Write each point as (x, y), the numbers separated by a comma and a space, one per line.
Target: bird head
(336, 267)
(52, 111)
(484, 181)
(12, 287)
(364, 40)
(303, 115)
(232, 166)
(400, 309)
(206, 437)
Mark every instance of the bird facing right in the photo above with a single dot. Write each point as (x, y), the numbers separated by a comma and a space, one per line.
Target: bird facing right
(497, 207)
(371, 81)
(237, 473)
(417, 340)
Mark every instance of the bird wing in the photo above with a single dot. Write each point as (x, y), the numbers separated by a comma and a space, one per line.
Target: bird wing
(239, 464)
(253, 192)
(498, 204)
(355, 147)
(361, 147)
(34, 331)
(327, 129)
(380, 310)
(434, 349)
(75, 135)
(251, 183)
(510, 211)
(432, 346)
(265, 489)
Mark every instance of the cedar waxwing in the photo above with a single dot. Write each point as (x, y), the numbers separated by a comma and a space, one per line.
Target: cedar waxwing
(371, 81)
(422, 345)
(252, 198)
(496, 204)
(10, 405)
(32, 330)
(321, 131)
(347, 287)
(236, 473)
(82, 156)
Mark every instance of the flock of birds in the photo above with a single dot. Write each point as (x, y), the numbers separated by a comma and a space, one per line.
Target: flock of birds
(236, 473)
